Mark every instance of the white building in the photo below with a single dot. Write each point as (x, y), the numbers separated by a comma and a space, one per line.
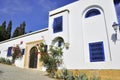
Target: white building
(87, 26)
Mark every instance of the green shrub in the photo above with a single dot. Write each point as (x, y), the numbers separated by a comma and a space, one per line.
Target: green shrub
(51, 59)
(5, 61)
(2, 60)
(8, 62)
(82, 76)
(95, 77)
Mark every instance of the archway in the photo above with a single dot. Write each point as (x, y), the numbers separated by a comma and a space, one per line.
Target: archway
(58, 42)
(33, 57)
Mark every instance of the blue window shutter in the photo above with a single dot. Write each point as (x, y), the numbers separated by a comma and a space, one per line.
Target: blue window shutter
(96, 52)
(23, 50)
(58, 24)
(9, 51)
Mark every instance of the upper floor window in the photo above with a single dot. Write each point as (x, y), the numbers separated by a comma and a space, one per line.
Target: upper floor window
(92, 12)
(58, 24)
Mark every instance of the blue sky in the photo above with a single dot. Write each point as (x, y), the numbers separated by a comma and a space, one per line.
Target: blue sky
(33, 12)
(118, 11)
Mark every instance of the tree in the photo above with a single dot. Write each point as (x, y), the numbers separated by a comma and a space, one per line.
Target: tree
(19, 30)
(22, 27)
(8, 31)
(3, 31)
(16, 32)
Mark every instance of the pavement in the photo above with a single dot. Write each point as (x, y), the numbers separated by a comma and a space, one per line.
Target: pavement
(8, 72)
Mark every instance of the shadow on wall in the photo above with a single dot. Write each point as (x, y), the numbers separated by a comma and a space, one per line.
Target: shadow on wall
(114, 37)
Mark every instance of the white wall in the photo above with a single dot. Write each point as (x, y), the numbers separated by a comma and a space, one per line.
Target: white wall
(76, 56)
(34, 36)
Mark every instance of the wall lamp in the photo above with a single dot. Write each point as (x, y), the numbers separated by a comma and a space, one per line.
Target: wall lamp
(115, 26)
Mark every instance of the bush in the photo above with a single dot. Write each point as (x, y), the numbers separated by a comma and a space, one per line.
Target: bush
(5, 61)
(51, 59)
(2, 60)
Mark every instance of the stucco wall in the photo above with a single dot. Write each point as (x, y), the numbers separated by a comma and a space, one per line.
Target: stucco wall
(31, 37)
(76, 57)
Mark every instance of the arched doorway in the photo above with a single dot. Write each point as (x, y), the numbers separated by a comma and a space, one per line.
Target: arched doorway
(33, 57)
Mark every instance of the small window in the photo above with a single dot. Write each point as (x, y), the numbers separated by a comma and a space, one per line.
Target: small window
(9, 52)
(92, 12)
(57, 24)
(96, 52)
(23, 51)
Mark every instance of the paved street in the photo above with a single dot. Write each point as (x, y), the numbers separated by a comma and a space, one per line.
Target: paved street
(14, 73)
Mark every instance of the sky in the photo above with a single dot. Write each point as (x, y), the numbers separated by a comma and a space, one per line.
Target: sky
(33, 12)
(117, 6)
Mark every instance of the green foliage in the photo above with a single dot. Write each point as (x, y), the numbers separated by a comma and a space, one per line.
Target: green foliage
(19, 30)
(95, 77)
(82, 76)
(8, 31)
(51, 59)
(64, 73)
(68, 75)
(5, 33)
(2, 60)
(5, 61)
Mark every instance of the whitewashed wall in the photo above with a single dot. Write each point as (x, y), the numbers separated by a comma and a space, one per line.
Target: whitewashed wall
(77, 56)
(34, 36)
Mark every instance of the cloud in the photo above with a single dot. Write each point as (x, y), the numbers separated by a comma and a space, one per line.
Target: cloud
(14, 6)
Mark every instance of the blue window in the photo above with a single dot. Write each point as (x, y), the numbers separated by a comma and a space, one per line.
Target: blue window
(96, 52)
(59, 43)
(9, 51)
(92, 12)
(58, 24)
(23, 50)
